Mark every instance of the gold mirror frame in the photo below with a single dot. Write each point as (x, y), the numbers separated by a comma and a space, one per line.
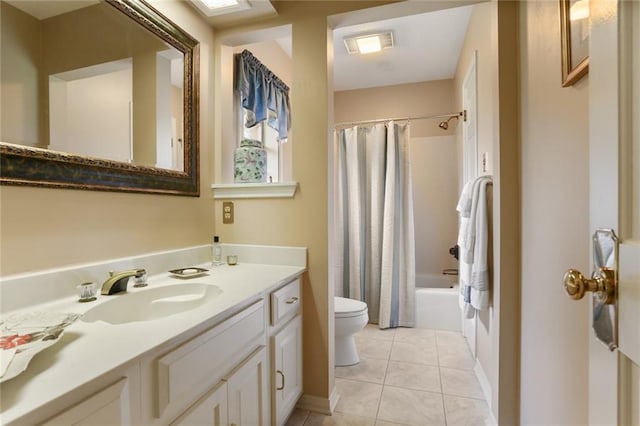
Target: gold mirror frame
(20, 165)
(570, 74)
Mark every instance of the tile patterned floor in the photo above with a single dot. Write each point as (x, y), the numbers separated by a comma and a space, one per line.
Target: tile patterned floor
(406, 376)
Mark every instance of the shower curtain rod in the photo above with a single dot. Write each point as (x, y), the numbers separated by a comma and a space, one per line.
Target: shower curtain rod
(381, 120)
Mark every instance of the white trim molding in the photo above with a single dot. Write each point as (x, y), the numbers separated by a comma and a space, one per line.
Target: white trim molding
(319, 405)
(486, 391)
(254, 190)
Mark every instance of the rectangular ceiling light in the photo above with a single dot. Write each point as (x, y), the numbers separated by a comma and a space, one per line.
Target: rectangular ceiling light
(219, 7)
(216, 4)
(369, 43)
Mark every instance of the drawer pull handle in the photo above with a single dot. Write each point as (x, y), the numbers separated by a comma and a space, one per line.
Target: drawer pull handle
(281, 374)
(292, 300)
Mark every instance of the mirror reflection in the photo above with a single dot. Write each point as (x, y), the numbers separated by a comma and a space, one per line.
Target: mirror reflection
(83, 78)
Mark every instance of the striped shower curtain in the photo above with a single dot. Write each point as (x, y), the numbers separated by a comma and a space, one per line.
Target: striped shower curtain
(375, 243)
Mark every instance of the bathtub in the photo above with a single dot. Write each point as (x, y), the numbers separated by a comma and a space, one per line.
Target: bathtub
(437, 303)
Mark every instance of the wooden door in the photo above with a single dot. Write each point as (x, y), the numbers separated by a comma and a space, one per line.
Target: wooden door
(614, 141)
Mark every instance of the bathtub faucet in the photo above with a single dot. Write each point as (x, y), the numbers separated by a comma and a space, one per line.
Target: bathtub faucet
(453, 251)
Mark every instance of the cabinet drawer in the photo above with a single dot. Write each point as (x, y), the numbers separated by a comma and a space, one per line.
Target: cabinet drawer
(193, 366)
(285, 302)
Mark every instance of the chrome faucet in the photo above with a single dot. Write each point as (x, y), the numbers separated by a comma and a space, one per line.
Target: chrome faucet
(118, 281)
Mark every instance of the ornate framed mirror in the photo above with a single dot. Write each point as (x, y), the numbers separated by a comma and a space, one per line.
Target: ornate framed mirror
(101, 97)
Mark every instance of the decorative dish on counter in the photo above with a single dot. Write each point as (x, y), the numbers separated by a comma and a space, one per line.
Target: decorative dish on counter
(22, 336)
(189, 272)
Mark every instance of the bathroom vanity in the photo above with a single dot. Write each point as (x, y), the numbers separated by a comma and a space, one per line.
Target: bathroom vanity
(234, 359)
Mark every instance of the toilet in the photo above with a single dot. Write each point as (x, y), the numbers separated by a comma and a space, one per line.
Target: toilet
(350, 317)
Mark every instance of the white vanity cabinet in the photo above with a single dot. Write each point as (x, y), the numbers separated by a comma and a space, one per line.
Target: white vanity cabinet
(241, 366)
(247, 393)
(109, 406)
(241, 398)
(188, 378)
(286, 351)
(211, 409)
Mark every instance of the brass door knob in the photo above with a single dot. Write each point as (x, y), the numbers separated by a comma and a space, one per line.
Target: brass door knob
(602, 284)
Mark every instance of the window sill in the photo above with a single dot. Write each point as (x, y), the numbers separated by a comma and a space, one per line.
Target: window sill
(254, 190)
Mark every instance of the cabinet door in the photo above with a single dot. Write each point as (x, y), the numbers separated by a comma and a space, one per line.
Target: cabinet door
(211, 409)
(247, 392)
(110, 406)
(287, 369)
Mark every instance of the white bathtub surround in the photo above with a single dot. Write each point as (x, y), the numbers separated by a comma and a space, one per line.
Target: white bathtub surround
(437, 308)
(473, 241)
(374, 217)
(88, 351)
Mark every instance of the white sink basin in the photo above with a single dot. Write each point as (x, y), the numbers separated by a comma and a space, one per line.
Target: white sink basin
(152, 303)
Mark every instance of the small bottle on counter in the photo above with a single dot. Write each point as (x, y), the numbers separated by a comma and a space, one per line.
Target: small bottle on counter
(216, 252)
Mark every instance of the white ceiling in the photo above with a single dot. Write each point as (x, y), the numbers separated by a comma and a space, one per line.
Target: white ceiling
(427, 47)
(259, 9)
(43, 9)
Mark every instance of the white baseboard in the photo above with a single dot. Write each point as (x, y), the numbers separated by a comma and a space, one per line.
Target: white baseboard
(318, 404)
(486, 391)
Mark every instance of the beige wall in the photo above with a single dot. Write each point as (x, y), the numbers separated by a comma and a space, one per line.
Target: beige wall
(403, 100)
(555, 225)
(76, 39)
(33, 50)
(434, 160)
(493, 33)
(303, 220)
(434, 171)
(45, 228)
(21, 60)
(480, 39)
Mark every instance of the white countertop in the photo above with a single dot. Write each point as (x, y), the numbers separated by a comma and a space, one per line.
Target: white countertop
(88, 350)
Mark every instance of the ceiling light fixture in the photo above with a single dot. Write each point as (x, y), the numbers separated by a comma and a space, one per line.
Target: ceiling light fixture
(219, 7)
(216, 4)
(369, 43)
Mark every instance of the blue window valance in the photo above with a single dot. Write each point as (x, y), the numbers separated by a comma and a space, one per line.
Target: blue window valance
(263, 95)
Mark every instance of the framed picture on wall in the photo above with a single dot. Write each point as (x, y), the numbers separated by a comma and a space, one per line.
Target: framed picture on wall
(574, 35)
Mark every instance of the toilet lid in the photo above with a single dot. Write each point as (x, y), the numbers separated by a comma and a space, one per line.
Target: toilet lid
(348, 307)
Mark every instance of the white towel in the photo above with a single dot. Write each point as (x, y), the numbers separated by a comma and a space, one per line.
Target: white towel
(473, 243)
(464, 203)
(480, 268)
(464, 268)
(469, 235)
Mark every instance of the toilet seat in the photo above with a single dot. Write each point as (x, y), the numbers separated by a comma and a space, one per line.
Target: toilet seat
(348, 308)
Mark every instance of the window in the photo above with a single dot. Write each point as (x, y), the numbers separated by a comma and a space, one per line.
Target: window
(263, 112)
(269, 138)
